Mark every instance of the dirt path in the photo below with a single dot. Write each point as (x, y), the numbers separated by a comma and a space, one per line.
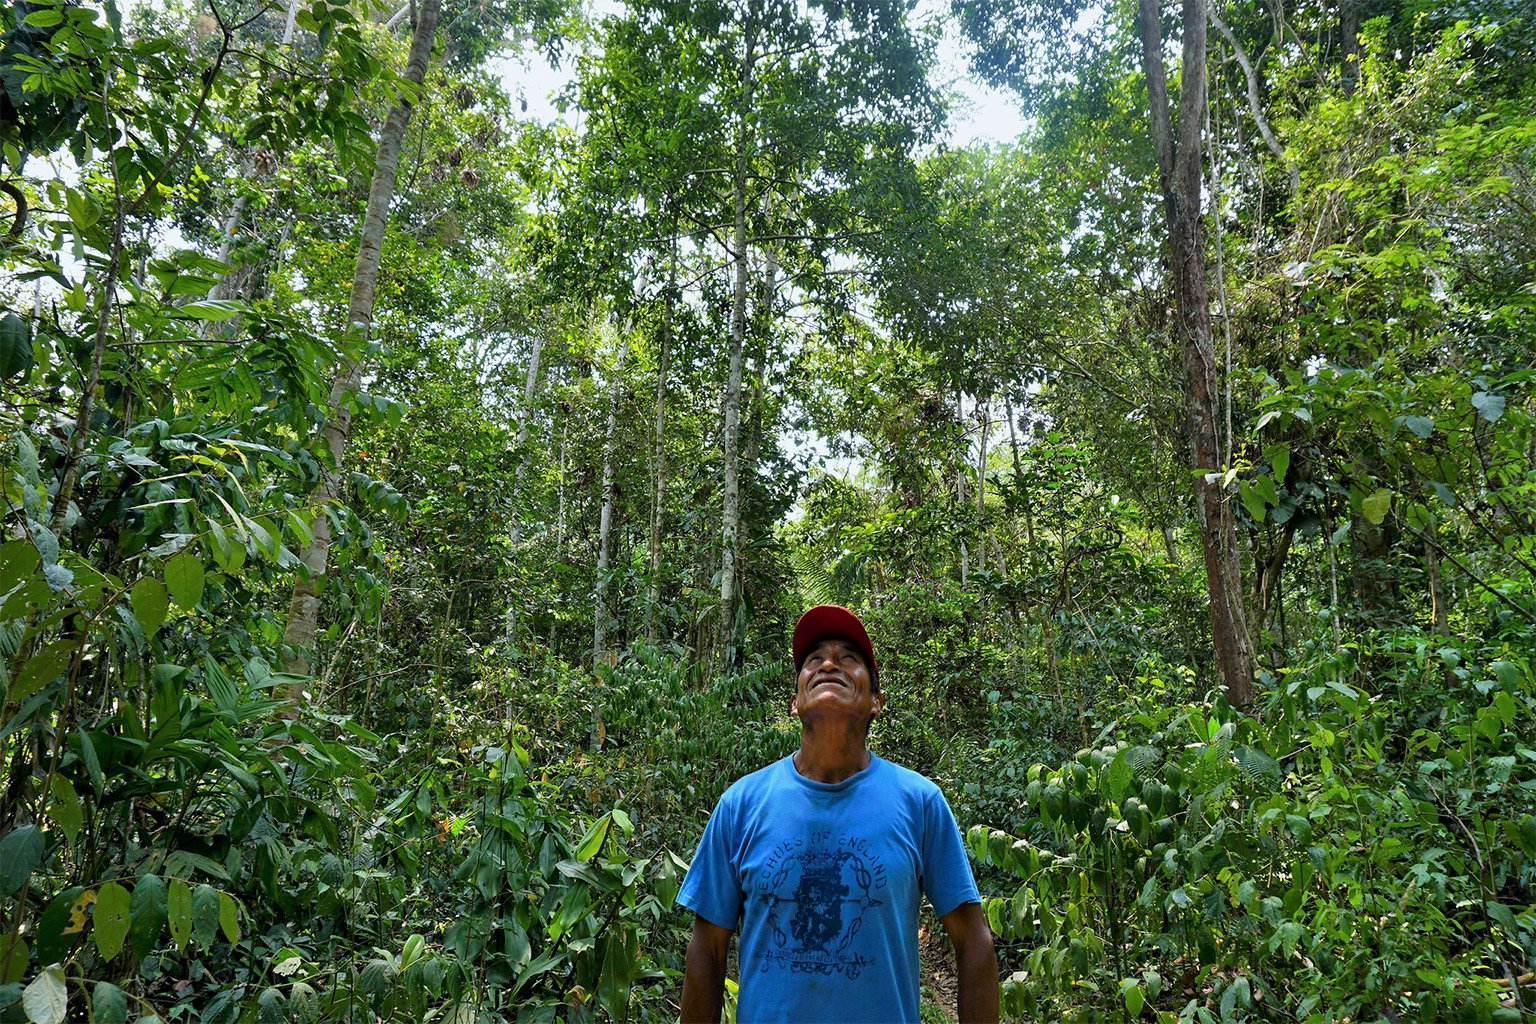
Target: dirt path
(936, 968)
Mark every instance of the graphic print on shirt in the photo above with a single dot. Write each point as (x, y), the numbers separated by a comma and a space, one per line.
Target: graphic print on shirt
(817, 890)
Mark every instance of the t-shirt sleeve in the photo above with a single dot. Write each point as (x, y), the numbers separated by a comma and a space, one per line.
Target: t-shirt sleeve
(947, 878)
(712, 886)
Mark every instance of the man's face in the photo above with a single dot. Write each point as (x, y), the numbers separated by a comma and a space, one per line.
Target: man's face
(835, 680)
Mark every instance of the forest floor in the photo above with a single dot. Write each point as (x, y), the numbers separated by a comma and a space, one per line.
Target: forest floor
(936, 969)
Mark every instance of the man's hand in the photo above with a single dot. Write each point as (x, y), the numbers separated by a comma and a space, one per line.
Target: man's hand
(975, 962)
(704, 973)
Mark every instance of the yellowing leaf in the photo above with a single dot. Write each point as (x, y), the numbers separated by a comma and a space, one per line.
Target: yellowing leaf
(77, 911)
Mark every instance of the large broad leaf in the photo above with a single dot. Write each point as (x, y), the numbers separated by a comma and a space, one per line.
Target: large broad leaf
(1118, 776)
(1488, 405)
(150, 604)
(229, 918)
(108, 1004)
(178, 909)
(13, 957)
(618, 973)
(593, 840)
(110, 919)
(146, 914)
(1376, 506)
(21, 853)
(57, 930)
(46, 1000)
(184, 578)
(64, 807)
(15, 346)
(205, 915)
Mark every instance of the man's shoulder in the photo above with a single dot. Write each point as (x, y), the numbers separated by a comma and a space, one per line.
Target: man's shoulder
(753, 784)
(910, 781)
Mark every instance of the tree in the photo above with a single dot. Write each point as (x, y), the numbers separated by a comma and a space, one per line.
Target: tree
(304, 604)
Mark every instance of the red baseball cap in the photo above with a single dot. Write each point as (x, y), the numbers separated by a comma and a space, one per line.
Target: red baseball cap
(833, 620)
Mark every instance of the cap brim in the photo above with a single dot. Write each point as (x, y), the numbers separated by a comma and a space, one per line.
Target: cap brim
(832, 620)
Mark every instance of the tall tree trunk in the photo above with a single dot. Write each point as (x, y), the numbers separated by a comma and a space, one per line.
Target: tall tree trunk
(1179, 162)
(659, 449)
(731, 439)
(984, 422)
(230, 229)
(524, 418)
(605, 517)
(304, 605)
(754, 435)
(960, 471)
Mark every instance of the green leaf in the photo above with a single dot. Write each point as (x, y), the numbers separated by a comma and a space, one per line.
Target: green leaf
(229, 918)
(1376, 506)
(16, 338)
(46, 18)
(205, 915)
(1489, 406)
(61, 925)
(1131, 989)
(618, 972)
(271, 1006)
(46, 1000)
(90, 760)
(212, 309)
(593, 840)
(108, 1004)
(21, 853)
(110, 919)
(64, 807)
(1279, 461)
(150, 604)
(1422, 426)
(147, 914)
(1118, 776)
(42, 668)
(13, 957)
(178, 909)
(184, 577)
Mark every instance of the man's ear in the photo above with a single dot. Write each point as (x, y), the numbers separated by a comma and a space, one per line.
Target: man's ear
(879, 702)
(794, 705)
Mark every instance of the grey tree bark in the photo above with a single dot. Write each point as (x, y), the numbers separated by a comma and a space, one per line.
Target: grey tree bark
(731, 435)
(659, 450)
(1179, 161)
(600, 617)
(304, 604)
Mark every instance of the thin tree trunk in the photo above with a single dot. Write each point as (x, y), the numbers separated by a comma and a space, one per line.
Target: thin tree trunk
(1439, 617)
(605, 517)
(524, 417)
(960, 500)
(1179, 162)
(659, 451)
(754, 442)
(984, 415)
(230, 230)
(1256, 103)
(560, 494)
(304, 605)
(731, 441)
(1019, 482)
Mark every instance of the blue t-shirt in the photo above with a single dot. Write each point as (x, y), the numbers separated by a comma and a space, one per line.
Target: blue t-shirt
(824, 881)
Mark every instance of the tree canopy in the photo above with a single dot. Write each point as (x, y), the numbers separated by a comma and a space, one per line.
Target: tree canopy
(407, 500)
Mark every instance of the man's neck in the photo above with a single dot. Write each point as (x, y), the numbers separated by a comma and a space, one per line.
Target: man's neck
(830, 755)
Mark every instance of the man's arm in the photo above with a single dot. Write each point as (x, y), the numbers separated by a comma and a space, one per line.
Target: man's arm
(975, 962)
(704, 973)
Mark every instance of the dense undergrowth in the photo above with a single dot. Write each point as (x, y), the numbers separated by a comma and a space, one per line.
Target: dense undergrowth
(468, 789)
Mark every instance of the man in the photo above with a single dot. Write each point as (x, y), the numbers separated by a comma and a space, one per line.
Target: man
(821, 860)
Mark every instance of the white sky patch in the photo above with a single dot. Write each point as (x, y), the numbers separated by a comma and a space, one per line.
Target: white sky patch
(979, 113)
